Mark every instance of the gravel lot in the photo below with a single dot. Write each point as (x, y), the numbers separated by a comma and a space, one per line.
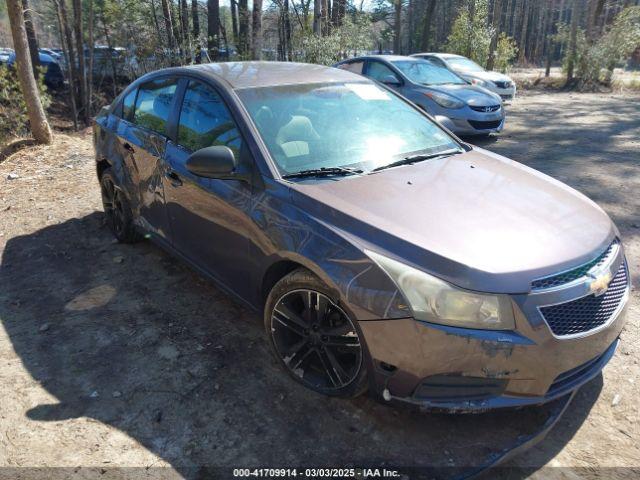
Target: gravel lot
(121, 356)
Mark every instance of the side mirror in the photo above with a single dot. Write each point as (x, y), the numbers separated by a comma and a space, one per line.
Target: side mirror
(391, 81)
(212, 162)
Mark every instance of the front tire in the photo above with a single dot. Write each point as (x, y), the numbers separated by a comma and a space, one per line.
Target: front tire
(117, 209)
(313, 338)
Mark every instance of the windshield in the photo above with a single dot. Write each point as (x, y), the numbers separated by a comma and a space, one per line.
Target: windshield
(464, 64)
(357, 125)
(428, 73)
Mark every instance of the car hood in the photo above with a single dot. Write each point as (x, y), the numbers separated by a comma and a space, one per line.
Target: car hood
(477, 220)
(470, 94)
(491, 76)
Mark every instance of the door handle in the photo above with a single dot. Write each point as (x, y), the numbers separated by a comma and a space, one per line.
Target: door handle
(174, 178)
(128, 148)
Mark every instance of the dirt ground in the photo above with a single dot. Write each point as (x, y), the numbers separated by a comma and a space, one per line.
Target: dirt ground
(115, 356)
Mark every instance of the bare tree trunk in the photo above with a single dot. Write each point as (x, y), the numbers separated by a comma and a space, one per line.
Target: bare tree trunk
(37, 118)
(178, 33)
(256, 31)
(495, 23)
(196, 30)
(65, 50)
(91, 47)
(234, 20)
(540, 32)
(82, 70)
(551, 14)
(426, 25)
(243, 28)
(337, 12)
(411, 26)
(471, 7)
(342, 10)
(397, 27)
(523, 37)
(186, 33)
(107, 37)
(325, 16)
(31, 37)
(317, 17)
(213, 29)
(155, 19)
(168, 25)
(595, 10)
(72, 67)
(573, 41)
(287, 30)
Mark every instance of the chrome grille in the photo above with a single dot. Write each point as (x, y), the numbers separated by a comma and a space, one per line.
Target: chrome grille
(491, 108)
(587, 313)
(576, 273)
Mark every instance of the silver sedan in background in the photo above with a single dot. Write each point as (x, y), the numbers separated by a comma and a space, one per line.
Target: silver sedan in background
(473, 73)
(462, 108)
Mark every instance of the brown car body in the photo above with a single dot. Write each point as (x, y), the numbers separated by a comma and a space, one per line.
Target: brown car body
(476, 220)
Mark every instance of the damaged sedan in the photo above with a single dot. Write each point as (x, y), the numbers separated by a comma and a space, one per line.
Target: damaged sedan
(385, 254)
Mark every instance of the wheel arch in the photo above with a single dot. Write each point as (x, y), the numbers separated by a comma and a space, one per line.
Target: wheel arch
(283, 266)
(101, 166)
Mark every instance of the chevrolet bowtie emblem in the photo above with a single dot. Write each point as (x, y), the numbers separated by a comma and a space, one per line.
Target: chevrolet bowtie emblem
(600, 283)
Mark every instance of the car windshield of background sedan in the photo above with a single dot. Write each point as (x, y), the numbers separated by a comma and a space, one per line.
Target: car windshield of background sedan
(427, 73)
(464, 64)
(340, 125)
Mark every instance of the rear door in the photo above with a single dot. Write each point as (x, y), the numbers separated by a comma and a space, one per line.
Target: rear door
(143, 138)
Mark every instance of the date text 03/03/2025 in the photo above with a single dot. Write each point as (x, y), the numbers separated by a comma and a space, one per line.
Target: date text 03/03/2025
(316, 472)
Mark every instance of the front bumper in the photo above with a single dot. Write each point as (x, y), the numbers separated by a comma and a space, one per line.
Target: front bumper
(487, 369)
(506, 94)
(473, 123)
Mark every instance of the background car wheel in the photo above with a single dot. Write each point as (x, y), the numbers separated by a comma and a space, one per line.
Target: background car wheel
(117, 210)
(313, 338)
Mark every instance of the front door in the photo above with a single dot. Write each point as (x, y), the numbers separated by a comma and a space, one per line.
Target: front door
(209, 218)
(382, 73)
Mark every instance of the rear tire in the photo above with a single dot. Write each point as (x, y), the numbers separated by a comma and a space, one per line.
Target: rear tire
(313, 338)
(117, 209)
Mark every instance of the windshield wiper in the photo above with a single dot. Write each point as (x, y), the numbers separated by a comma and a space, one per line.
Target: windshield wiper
(323, 172)
(417, 158)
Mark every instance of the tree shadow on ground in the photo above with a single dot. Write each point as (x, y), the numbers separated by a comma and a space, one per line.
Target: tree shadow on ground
(184, 371)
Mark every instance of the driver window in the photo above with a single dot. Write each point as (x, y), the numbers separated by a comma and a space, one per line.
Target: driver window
(205, 120)
(379, 71)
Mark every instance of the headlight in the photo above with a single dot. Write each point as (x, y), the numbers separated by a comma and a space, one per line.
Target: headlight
(445, 100)
(481, 83)
(434, 300)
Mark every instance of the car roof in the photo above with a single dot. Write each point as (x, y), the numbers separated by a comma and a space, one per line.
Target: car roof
(268, 74)
(440, 55)
(389, 58)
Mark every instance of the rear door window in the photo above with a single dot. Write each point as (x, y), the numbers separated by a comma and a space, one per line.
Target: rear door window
(153, 104)
(205, 120)
(355, 67)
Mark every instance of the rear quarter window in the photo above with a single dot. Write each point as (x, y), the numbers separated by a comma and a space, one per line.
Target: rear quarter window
(153, 104)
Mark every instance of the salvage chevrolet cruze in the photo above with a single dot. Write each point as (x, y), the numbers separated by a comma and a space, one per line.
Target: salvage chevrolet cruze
(385, 253)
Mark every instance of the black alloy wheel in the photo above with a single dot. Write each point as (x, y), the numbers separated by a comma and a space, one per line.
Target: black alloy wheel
(117, 210)
(316, 341)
